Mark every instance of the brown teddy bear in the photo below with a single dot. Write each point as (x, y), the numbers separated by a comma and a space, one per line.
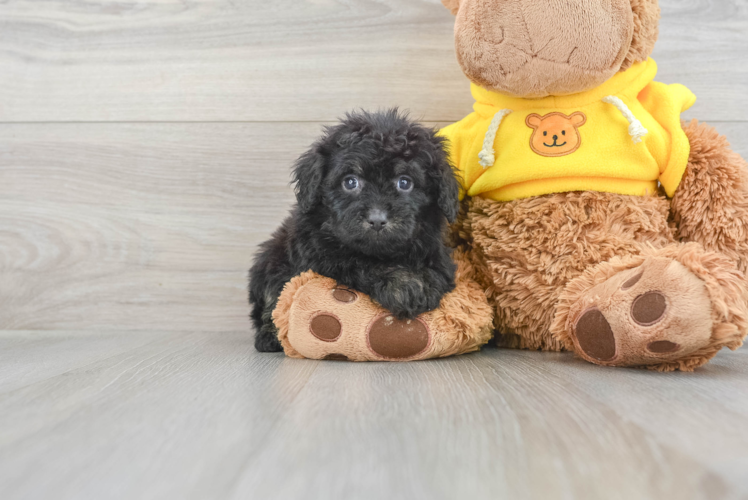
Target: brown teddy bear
(593, 220)
(596, 221)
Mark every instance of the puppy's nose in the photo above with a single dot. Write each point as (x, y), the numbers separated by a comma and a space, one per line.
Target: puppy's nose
(377, 219)
(555, 137)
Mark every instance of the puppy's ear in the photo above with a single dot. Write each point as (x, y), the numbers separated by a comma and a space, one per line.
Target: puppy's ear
(446, 180)
(449, 195)
(308, 174)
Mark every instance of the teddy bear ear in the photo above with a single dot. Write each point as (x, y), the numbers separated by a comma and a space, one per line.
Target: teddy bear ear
(578, 119)
(646, 30)
(534, 120)
(453, 5)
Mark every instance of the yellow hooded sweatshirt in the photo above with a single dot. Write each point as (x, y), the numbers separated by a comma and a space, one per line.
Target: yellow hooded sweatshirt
(622, 137)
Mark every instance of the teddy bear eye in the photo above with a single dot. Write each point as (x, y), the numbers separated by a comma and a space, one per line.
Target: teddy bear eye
(564, 132)
(545, 133)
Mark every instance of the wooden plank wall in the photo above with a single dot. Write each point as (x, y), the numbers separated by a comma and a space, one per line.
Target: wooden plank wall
(145, 146)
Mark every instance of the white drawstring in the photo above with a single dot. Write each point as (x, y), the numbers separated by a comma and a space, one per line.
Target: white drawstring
(636, 129)
(487, 158)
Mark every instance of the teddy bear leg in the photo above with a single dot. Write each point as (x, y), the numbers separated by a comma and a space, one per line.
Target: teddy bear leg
(317, 319)
(711, 204)
(526, 252)
(667, 309)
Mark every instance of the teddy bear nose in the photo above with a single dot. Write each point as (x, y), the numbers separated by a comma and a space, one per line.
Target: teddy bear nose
(377, 219)
(555, 137)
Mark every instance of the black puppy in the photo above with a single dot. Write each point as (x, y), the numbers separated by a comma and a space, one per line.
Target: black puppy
(374, 195)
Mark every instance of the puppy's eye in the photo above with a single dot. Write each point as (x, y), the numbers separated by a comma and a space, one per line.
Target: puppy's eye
(545, 133)
(351, 183)
(564, 132)
(405, 184)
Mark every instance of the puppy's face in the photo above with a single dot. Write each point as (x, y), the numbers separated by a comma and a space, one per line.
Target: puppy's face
(382, 181)
(376, 199)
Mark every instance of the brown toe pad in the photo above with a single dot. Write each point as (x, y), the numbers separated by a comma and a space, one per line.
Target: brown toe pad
(663, 347)
(326, 327)
(392, 338)
(649, 309)
(344, 295)
(595, 336)
(336, 357)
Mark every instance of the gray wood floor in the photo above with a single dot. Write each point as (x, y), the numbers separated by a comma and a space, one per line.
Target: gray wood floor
(144, 153)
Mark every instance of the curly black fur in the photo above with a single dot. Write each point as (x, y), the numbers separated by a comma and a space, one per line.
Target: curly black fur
(377, 238)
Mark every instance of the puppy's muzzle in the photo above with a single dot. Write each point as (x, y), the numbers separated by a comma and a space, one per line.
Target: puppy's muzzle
(377, 219)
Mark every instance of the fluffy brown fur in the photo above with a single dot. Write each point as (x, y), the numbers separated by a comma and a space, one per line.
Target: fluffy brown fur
(282, 312)
(530, 249)
(711, 204)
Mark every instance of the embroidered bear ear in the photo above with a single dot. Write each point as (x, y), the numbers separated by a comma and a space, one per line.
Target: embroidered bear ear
(453, 5)
(534, 120)
(578, 119)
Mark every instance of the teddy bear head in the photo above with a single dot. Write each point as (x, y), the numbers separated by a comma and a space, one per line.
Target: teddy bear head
(538, 48)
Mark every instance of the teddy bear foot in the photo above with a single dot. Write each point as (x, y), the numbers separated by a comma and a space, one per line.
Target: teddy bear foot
(654, 313)
(667, 311)
(317, 319)
(338, 324)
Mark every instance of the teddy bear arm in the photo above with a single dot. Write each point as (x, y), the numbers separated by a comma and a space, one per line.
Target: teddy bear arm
(710, 205)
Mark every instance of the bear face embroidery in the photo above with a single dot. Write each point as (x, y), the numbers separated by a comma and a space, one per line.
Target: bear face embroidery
(556, 134)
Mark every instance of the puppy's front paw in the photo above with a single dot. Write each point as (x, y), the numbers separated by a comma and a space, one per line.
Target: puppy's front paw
(407, 295)
(266, 339)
